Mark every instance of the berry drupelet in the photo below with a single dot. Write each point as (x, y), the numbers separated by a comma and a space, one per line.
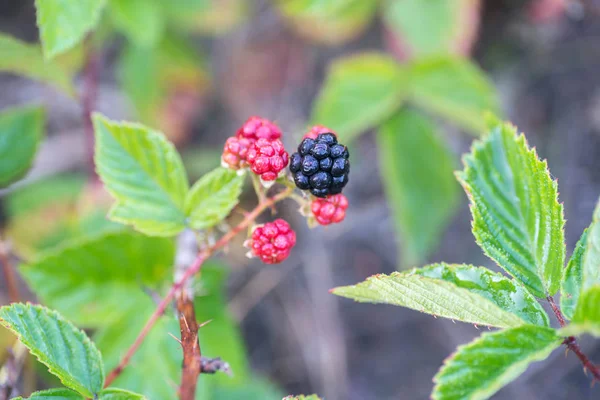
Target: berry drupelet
(234, 152)
(316, 131)
(321, 165)
(330, 210)
(259, 128)
(272, 241)
(267, 158)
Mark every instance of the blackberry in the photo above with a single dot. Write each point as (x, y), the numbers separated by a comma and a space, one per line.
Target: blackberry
(321, 165)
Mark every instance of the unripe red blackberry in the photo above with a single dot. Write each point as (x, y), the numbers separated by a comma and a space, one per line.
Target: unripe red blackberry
(330, 210)
(316, 131)
(272, 241)
(267, 158)
(259, 128)
(235, 152)
(321, 165)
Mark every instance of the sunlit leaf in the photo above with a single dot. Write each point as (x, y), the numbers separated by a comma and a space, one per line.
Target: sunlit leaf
(418, 175)
(54, 394)
(119, 394)
(479, 369)
(517, 219)
(21, 130)
(572, 278)
(591, 258)
(65, 350)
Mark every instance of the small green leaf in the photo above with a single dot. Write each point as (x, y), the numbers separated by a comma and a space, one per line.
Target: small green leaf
(479, 369)
(119, 394)
(100, 280)
(144, 173)
(360, 92)
(428, 27)
(505, 293)
(456, 297)
(26, 59)
(587, 314)
(64, 23)
(213, 197)
(329, 22)
(21, 131)
(419, 182)
(517, 219)
(54, 394)
(591, 258)
(572, 278)
(142, 21)
(454, 88)
(65, 350)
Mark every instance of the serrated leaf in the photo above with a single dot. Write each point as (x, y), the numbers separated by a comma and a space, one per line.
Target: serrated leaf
(142, 21)
(572, 278)
(65, 350)
(331, 22)
(505, 293)
(430, 27)
(359, 92)
(418, 175)
(119, 394)
(99, 281)
(144, 173)
(213, 197)
(64, 23)
(54, 394)
(21, 131)
(454, 88)
(591, 258)
(448, 297)
(27, 59)
(517, 219)
(479, 369)
(587, 314)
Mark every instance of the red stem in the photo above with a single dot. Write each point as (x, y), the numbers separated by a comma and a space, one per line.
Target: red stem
(571, 342)
(191, 271)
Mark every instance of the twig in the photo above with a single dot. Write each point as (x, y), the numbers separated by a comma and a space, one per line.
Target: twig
(88, 101)
(192, 357)
(9, 273)
(571, 342)
(191, 271)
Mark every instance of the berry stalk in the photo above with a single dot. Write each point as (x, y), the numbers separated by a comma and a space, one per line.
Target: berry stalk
(191, 271)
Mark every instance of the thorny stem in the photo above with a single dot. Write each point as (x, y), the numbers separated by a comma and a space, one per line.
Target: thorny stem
(88, 100)
(571, 342)
(192, 355)
(191, 271)
(9, 273)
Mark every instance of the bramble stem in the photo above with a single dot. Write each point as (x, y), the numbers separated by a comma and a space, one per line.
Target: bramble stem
(191, 271)
(192, 355)
(571, 342)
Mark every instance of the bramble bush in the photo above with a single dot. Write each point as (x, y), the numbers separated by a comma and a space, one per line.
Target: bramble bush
(118, 277)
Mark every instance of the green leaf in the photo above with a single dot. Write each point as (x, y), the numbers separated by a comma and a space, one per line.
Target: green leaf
(419, 182)
(330, 22)
(99, 281)
(459, 292)
(359, 92)
(21, 131)
(455, 89)
(572, 278)
(505, 293)
(64, 23)
(54, 394)
(587, 314)
(65, 350)
(26, 59)
(213, 197)
(591, 258)
(119, 394)
(517, 219)
(144, 173)
(479, 369)
(428, 27)
(142, 21)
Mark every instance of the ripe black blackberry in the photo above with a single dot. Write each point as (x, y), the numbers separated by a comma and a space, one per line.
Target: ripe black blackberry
(321, 165)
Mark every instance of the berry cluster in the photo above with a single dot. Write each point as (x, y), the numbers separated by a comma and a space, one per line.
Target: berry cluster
(272, 241)
(321, 165)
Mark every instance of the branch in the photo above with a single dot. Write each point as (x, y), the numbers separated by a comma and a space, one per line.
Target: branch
(191, 271)
(571, 342)
(9, 272)
(192, 357)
